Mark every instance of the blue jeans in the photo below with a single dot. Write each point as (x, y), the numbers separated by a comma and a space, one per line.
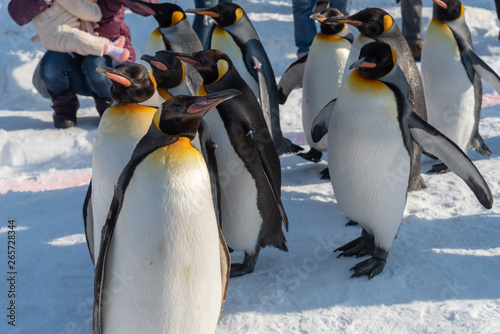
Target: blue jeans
(411, 27)
(305, 28)
(64, 71)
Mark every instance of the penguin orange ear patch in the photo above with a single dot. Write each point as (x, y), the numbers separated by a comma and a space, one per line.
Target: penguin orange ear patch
(119, 79)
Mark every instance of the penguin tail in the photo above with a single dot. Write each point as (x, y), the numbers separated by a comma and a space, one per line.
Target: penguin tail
(289, 147)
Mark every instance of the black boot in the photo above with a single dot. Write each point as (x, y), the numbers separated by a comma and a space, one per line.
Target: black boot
(101, 104)
(65, 107)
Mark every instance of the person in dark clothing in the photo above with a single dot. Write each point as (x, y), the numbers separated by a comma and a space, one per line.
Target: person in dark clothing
(67, 74)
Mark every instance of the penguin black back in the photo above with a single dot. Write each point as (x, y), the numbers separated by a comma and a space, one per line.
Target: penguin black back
(131, 83)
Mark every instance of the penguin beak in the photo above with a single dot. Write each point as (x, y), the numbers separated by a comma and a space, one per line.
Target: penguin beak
(206, 103)
(111, 74)
(441, 4)
(333, 20)
(203, 11)
(144, 6)
(186, 58)
(154, 63)
(317, 17)
(362, 63)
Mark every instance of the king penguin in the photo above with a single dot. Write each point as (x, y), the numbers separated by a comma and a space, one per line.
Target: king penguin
(236, 36)
(170, 73)
(371, 129)
(120, 129)
(322, 75)
(162, 233)
(174, 33)
(375, 24)
(249, 166)
(451, 74)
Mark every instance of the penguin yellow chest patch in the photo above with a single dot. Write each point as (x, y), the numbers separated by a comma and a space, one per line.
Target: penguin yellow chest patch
(176, 155)
(126, 118)
(359, 89)
(222, 40)
(155, 42)
(440, 37)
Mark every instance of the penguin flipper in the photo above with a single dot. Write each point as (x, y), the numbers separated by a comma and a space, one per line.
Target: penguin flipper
(269, 177)
(88, 221)
(320, 124)
(149, 143)
(208, 148)
(263, 91)
(483, 69)
(292, 78)
(225, 267)
(434, 142)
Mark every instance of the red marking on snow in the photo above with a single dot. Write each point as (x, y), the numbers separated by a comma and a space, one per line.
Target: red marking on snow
(52, 180)
(297, 138)
(490, 99)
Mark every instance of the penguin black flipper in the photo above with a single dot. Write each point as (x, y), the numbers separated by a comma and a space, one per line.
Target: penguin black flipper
(273, 183)
(88, 221)
(292, 78)
(208, 148)
(320, 125)
(433, 141)
(153, 140)
(483, 69)
(263, 92)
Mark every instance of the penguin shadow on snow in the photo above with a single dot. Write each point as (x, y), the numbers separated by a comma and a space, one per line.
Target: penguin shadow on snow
(432, 260)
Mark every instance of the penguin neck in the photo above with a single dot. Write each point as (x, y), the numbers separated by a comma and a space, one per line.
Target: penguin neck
(163, 92)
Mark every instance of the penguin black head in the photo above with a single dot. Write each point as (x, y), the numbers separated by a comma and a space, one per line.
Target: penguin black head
(166, 14)
(376, 60)
(131, 83)
(181, 115)
(371, 22)
(211, 64)
(329, 28)
(448, 10)
(225, 13)
(167, 69)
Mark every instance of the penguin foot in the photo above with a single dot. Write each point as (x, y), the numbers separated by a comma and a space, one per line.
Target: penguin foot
(419, 185)
(313, 155)
(325, 174)
(351, 223)
(439, 169)
(286, 146)
(371, 267)
(364, 245)
(248, 265)
(484, 150)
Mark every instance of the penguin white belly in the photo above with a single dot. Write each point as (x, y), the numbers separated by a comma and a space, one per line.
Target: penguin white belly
(222, 40)
(155, 43)
(368, 162)
(240, 216)
(356, 46)
(119, 131)
(449, 93)
(322, 79)
(162, 273)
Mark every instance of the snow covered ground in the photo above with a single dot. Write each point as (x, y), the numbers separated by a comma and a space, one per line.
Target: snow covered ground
(441, 275)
